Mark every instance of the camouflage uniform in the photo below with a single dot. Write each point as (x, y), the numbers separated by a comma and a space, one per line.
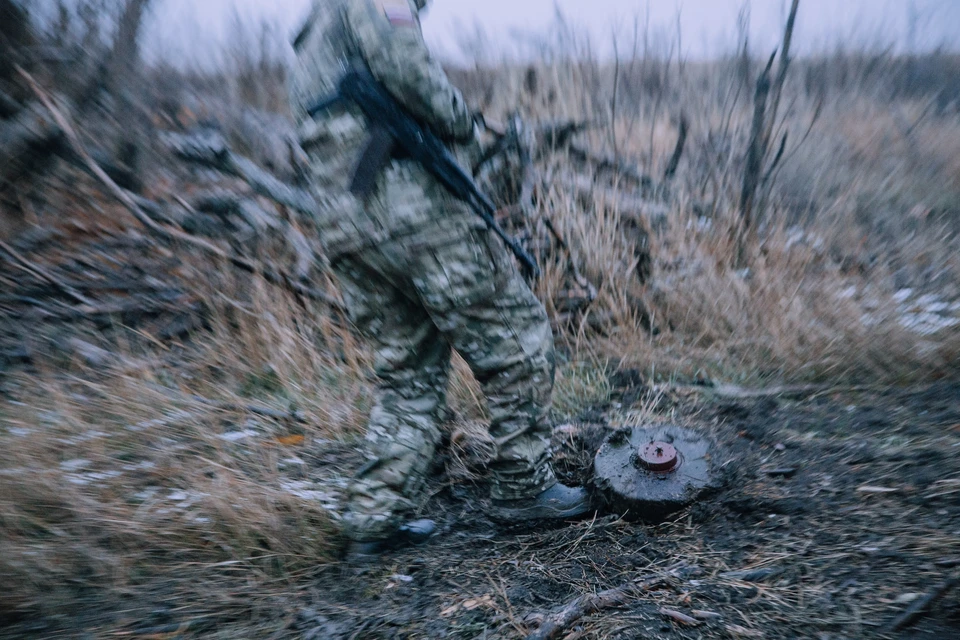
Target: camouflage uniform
(419, 272)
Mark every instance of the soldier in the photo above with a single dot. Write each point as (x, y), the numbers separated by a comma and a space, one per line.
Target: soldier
(421, 275)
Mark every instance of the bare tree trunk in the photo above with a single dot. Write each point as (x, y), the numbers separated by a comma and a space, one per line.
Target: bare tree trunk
(125, 58)
(756, 152)
(122, 81)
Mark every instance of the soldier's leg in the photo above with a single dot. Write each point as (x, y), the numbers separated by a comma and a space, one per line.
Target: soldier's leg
(509, 345)
(412, 364)
(484, 308)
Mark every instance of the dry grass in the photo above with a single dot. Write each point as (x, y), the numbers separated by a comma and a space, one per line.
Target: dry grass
(863, 207)
(153, 473)
(152, 480)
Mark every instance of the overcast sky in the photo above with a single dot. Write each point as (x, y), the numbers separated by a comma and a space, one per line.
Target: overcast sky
(708, 26)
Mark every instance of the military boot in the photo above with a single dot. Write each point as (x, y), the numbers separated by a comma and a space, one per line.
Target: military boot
(412, 533)
(559, 502)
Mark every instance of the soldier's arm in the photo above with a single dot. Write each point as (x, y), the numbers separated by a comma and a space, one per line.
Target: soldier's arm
(388, 35)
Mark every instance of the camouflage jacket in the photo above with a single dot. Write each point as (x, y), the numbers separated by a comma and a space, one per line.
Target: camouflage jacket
(385, 36)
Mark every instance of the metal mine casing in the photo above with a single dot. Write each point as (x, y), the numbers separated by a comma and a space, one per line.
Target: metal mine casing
(649, 473)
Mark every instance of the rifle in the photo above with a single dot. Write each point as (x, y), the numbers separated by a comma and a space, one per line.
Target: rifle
(391, 126)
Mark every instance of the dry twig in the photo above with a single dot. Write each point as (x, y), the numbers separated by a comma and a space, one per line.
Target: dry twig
(586, 605)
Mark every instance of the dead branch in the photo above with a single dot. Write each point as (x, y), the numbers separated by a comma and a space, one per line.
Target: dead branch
(677, 616)
(922, 606)
(157, 212)
(274, 277)
(764, 120)
(548, 138)
(616, 168)
(756, 151)
(777, 158)
(782, 71)
(583, 606)
(589, 604)
(674, 163)
(559, 135)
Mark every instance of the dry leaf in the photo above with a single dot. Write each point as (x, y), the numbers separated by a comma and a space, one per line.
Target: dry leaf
(291, 441)
(743, 632)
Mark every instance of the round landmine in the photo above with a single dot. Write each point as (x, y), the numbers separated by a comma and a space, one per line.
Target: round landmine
(649, 473)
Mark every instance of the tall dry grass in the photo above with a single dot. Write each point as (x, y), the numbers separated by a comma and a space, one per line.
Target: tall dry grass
(151, 472)
(852, 275)
(154, 478)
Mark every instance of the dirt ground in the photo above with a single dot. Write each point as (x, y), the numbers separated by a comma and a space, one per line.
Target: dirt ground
(860, 516)
(839, 509)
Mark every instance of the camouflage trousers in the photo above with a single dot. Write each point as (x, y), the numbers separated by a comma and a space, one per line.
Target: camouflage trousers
(416, 300)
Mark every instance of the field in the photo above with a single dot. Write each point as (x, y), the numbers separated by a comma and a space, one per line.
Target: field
(777, 269)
